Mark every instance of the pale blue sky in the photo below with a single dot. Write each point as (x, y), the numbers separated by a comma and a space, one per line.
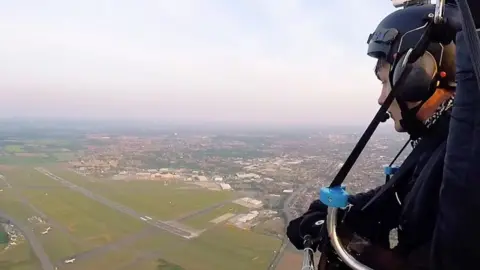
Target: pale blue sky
(261, 61)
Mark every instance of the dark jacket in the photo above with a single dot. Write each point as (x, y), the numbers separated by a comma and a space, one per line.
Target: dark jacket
(474, 9)
(457, 232)
(417, 191)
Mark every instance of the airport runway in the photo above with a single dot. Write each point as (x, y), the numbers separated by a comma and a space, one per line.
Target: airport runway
(156, 223)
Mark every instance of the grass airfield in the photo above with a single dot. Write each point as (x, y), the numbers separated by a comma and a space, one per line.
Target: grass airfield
(100, 237)
(154, 197)
(18, 258)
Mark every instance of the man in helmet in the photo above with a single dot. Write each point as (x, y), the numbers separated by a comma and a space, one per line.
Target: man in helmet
(422, 109)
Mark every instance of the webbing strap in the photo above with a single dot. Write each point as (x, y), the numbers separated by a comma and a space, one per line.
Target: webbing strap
(440, 131)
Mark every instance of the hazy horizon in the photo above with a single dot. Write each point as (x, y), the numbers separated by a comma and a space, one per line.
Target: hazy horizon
(106, 125)
(279, 63)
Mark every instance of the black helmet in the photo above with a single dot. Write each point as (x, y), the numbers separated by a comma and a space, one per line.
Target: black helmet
(401, 30)
(393, 37)
(398, 32)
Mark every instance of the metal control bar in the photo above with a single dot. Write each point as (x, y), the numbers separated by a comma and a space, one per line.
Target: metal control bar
(337, 244)
(439, 12)
(335, 198)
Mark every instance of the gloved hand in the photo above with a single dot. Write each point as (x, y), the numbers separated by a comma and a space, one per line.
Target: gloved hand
(308, 223)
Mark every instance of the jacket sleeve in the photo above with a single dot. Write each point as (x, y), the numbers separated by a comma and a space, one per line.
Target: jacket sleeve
(456, 237)
(360, 199)
(319, 209)
(474, 9)
(387, 211)
(293, 227)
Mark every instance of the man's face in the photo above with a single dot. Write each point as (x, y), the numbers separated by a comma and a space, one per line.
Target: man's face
(382, 71)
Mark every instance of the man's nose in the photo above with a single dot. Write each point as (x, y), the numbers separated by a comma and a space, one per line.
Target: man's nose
(382, 97)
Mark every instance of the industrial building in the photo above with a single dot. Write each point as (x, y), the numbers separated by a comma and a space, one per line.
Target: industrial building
(225, 186)
(248, 217)
(249, 202)
(248, 175)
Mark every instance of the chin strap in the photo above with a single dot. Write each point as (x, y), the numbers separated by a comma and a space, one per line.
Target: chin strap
(418, 120)
(410, 123)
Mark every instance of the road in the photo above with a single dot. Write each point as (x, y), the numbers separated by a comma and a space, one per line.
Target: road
(286, 205)
(33, 242)
(51, 222)
(96, 252)
(116, 206)
(27, 203)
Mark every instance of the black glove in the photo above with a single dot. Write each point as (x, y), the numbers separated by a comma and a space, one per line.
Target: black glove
(308, 223)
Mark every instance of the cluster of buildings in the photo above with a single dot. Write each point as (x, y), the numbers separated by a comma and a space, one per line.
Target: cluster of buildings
(271, 170)
(251, 219)
(11, 236)
(255, 216)
(249, 202)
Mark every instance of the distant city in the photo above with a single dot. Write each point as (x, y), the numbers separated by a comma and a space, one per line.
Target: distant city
(272, 176)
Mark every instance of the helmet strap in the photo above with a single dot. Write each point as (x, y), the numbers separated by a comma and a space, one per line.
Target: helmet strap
(414, 127)
(431, 105)
(414, 119)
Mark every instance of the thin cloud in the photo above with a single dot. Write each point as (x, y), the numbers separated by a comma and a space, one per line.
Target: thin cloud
(266, 61)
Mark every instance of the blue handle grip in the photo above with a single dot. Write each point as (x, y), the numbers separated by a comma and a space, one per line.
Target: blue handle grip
(390, 170)
(334, 196)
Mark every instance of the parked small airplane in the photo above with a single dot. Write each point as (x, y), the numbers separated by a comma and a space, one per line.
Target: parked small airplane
(70, 261)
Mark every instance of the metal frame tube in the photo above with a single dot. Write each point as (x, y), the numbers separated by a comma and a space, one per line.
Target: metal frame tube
(308, 263)
(439, 12)
(336, 243)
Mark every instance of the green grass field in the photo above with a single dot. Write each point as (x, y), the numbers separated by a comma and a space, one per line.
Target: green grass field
(84, 218)
(151, 197)
(57, 244)
(63, 156)
(81, 224)
(222, 248)
(13, 148)
(26, 161)
(11, 205)
(203, 221)
(28, 178)
(89, 223)
(18, 257)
